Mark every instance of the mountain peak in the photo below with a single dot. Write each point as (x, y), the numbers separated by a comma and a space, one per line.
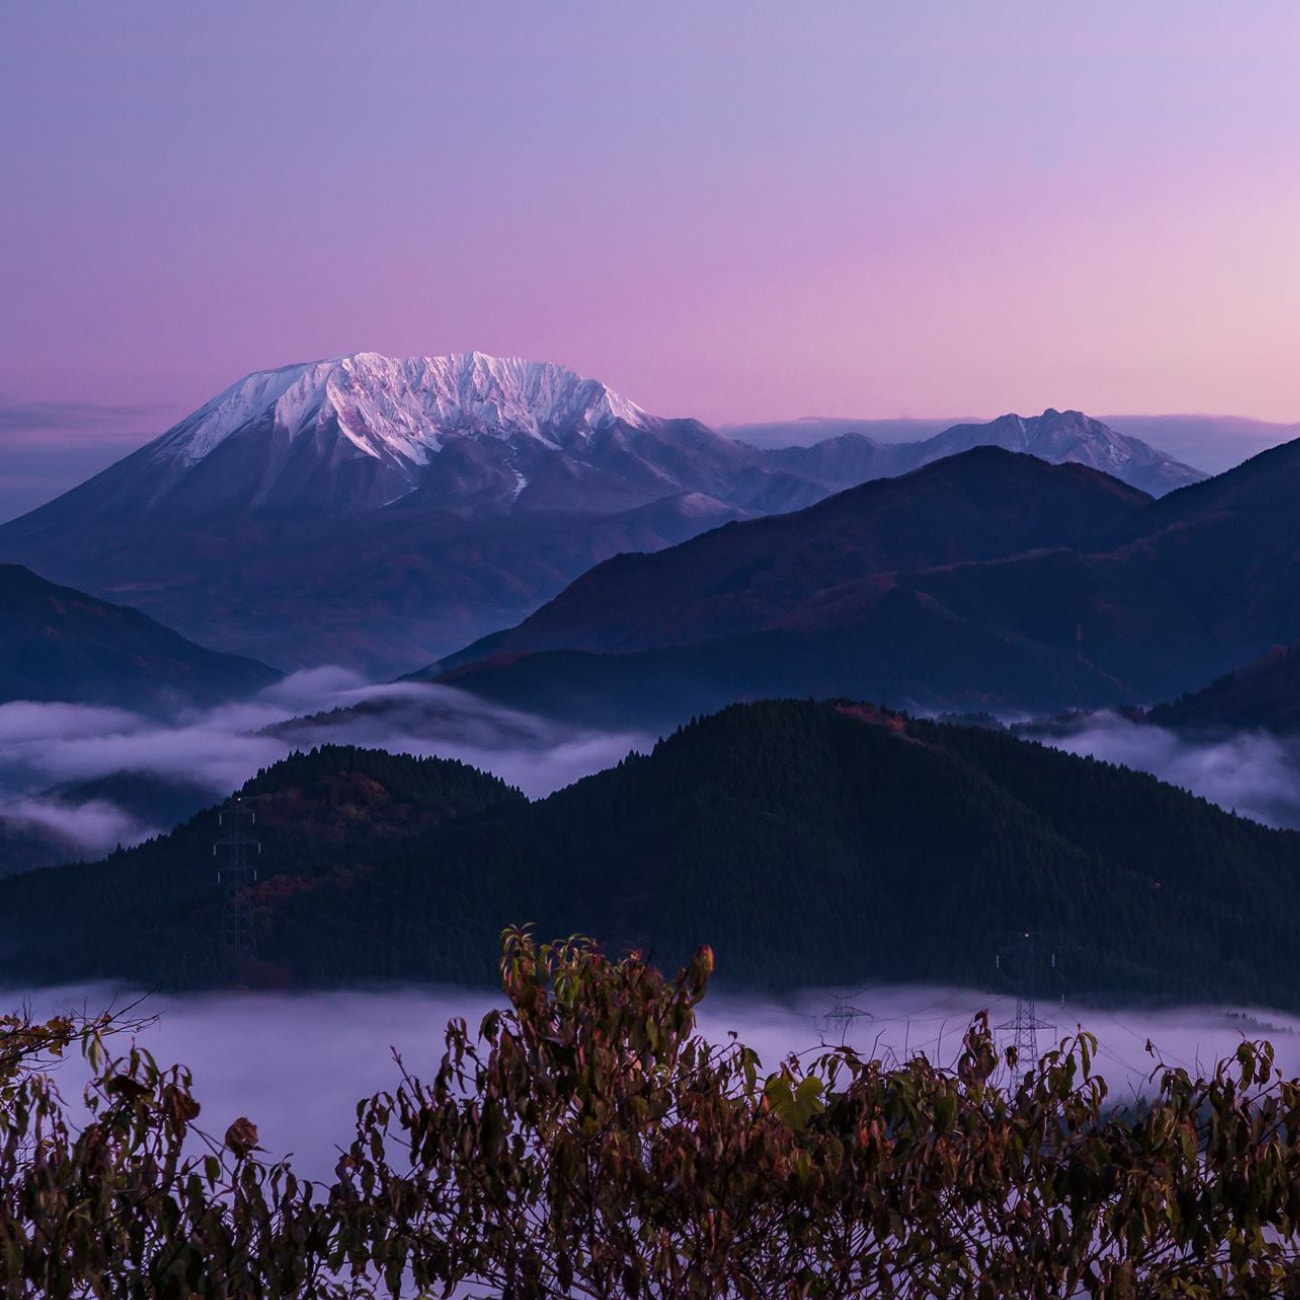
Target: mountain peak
(398, 409)
(1063, 436)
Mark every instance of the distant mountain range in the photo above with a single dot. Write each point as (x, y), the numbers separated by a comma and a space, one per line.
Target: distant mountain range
(811, 844)
(60, 644)
(985, 581)
(377, 512)
(1213, 443)
(1059, 437)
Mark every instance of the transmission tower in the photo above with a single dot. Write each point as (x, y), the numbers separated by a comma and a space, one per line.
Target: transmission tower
(236, 876)
(1027, 968)
(842, 1015)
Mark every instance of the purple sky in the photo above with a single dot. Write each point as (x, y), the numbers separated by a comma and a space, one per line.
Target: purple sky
(737, 210)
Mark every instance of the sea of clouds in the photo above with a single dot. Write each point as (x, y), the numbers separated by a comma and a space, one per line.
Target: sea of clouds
(1249, 772)
(45, 746)
(296, 1064)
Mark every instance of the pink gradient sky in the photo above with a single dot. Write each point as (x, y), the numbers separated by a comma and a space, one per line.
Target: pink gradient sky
(737, 210)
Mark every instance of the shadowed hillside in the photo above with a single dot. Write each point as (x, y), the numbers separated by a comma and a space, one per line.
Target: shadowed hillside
(1262, 696)
(61, 644)
(988, 581)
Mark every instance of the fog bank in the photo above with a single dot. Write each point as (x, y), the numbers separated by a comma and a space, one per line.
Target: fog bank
(1251, 773)
(297, 1064)
(46, 747)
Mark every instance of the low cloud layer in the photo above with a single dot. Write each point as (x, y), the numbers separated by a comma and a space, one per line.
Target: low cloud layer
(1251, 773)
(93, 826)
(45, 748)
(297, 1064)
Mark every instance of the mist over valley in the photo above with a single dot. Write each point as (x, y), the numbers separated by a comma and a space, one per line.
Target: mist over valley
(63, 766)
(251, 1052)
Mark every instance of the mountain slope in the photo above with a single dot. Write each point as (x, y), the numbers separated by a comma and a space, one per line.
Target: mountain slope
(1211, 580)
(1262, 696)
(1215, 443)
(811, 844)
(982, 589)
(774, 573)
(371, 511)
(379, 512)
(315, 813)
(358, 433)
(1059, 437)
(61, 644)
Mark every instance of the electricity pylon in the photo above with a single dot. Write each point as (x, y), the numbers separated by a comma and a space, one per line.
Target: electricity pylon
(842, 1015)
(236, 877)
(1026, 967)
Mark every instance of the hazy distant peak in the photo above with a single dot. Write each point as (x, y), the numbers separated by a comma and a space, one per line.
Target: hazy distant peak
(1070, 436)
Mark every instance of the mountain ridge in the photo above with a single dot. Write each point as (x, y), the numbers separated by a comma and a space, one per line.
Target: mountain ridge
(982, 504)
(1181, 589)
(380, 512)
(1262, 696)
(57, 643)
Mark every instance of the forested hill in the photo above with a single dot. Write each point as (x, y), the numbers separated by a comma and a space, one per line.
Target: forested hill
(1263, 696)
(985, 581)
(153, 912)
(811, 844)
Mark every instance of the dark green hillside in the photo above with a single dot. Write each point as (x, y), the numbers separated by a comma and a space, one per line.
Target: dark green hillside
(803, 569)
(812, 844)
(809, 843)
(908, 645)
(151, 913)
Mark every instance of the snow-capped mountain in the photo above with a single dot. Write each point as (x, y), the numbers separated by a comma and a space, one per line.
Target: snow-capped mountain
(401, 409)
(478, 436)
(1055, 436)
(361, 432)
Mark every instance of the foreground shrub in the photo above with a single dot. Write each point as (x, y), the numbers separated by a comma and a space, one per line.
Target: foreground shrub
(587, 1141)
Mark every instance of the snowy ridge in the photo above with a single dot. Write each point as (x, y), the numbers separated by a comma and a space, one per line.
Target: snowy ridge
(399, 409)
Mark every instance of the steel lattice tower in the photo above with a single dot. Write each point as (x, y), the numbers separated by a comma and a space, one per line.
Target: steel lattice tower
(842, 1015)
(236, 876)
(1022, 963)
